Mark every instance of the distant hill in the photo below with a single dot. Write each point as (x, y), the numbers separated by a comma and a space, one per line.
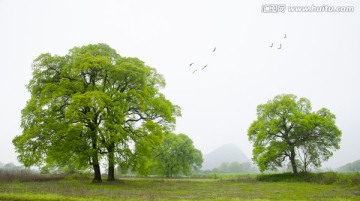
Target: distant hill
(225, 153)
(350, 167)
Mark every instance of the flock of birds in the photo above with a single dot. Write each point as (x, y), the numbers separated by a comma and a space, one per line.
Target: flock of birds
(280, 45)
(203, 67)
(206, 65)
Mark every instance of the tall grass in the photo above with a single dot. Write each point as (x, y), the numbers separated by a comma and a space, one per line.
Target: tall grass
(27, 176)
(350, 179)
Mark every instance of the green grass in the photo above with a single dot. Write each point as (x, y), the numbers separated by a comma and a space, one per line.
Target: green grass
(349, 179)
(225, 187)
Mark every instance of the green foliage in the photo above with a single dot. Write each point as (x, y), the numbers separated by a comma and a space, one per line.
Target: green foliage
(287, 129)
(177, 154)
(71, 167)
(234, 167)
(89, 104)
(319, 178)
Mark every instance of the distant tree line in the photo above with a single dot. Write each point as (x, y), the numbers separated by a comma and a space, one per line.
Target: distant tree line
(11, 167)
(233, 167)
(350, 167)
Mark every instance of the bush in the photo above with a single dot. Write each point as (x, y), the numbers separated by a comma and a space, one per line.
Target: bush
(26, 176)
(327, 178)
(349, 179)
(279, 177)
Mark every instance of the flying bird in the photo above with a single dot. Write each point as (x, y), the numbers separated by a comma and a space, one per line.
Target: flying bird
(204, 67)
(191, 64)
(214, 49)
(194, 71)
(279, 47)
(271, 45)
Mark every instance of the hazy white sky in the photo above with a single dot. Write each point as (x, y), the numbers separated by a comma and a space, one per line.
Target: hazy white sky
(319, 59)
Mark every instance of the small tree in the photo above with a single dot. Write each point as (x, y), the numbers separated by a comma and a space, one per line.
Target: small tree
(287, 129)
(177, 154)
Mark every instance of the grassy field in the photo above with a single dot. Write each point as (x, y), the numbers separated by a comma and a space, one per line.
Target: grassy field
(211, 187)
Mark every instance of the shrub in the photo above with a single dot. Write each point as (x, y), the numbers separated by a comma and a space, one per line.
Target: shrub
(349, 179)
(26, 176)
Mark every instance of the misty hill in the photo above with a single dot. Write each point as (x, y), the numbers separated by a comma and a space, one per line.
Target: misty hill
(350, 167)
(226, 153)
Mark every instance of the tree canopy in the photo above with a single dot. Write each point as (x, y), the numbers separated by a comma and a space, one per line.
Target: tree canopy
(287, 129)
(89, 104)
(177, 154)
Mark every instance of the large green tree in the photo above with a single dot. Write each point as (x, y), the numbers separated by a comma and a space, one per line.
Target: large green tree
(89, 104)
(287, 129)
(177, 154)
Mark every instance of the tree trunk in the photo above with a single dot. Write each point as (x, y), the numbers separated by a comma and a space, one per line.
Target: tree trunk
(111, 168)
(168, 174)
(96, 166)
(293, 162)
(111, 173)
(97, 173)
(95, 159)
